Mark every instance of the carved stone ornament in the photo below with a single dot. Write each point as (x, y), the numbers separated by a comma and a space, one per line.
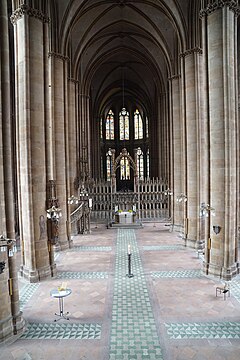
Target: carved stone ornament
(219, 4)
(58, 56)
(196, 50)
(27, 10)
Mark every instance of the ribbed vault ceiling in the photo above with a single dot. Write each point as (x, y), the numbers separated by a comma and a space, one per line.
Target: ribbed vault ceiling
(130, 42)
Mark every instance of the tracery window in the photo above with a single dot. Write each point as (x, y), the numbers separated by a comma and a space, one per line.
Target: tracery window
(110, 126)
(147, 130)
(101, 128)
(109, 164)
(148, 166)
(140, 164)
(124, 168)
(138, 125)
(124, 124)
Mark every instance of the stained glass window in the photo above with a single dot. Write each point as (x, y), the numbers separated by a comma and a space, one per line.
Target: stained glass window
(140, 164)
(124, 168)
(109, 164)
(110, 126)
(124, 124)
(101, 128)
(147, 130)
(148, 167)
(138, 125)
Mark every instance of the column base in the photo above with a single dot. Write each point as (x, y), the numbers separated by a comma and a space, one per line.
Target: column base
(11, 329)
(36, 275)
(191, 243)
(177, 227)
(220, 271)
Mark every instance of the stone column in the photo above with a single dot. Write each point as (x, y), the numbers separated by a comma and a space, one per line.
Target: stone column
(221, 25)
(176, 171)
(84, 137)
(31, 161)
(72, 133)
(11, 321)
(192, 77)
(58, 78)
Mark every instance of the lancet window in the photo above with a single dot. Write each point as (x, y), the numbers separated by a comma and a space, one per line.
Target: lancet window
(124, 124)
(138, 125)
(110, 126)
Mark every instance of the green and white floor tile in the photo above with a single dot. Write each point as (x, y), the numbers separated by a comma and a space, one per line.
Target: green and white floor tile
(91, 248)
(177, 274)
(235, 288)
(81, 275)
(62, 331)
(133, 333)
(26, 293)
(208, 330)
(164, 247)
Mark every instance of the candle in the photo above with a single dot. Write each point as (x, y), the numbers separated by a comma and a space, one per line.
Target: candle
(129, 249)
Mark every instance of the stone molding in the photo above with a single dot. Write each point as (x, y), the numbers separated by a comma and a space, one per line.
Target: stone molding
(196, 50)
(58, 56)
(27, 10)
(174, 77)
(219, 4)
(74, 81)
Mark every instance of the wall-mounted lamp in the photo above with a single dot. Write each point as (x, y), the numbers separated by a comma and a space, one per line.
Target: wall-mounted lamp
(168, 192)
(54, 214)
(182, 198)
(8, 245)
(83, 196)
(206, 209)
(216, 229)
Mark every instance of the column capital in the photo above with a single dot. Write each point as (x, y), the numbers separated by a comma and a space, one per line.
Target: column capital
(196, 50)
(27, 10)
(174, 77)
(58, 56)
(211, 6)
(75, 81)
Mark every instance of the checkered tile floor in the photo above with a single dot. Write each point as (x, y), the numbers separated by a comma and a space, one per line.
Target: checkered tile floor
(164, 247)
(26, 293)
(62, 331)
(81, 275)
(213, 330)
(133, 333)
(91, 248)
(177, 274)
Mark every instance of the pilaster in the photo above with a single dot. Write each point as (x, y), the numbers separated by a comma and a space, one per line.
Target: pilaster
(221, 22)
(177, 153)
(11, 322)
(58, 79)
(30, 91)
(192, 59)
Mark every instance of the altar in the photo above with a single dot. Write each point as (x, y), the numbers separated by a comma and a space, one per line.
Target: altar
(125, 217)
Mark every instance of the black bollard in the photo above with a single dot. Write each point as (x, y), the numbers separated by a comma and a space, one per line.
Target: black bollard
(129, 263)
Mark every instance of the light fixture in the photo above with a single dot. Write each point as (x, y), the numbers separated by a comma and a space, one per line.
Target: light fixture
(168, 192)
(182, 198)
(8, 245)
(73, 200)
(206, 209)
(83, 196)
(54, 213)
